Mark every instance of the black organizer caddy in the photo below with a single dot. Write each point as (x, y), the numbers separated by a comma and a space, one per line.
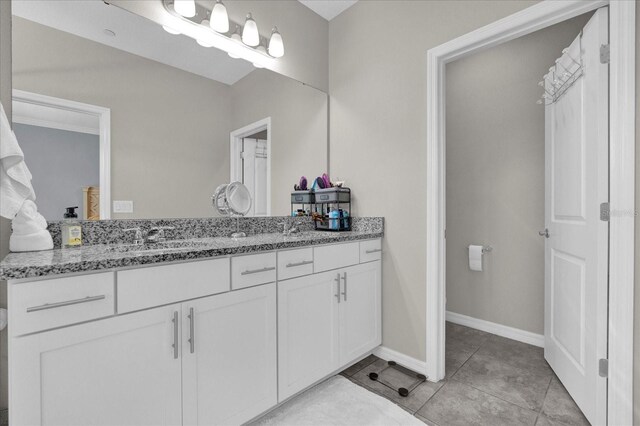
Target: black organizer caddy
(322, 202)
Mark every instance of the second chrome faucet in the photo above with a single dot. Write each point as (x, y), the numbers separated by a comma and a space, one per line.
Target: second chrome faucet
(155, 234)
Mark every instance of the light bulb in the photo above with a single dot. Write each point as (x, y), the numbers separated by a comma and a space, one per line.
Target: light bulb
(235, 36)
(186, 8)
(171, 30)
(219, 18)
(250, 35)
(276, 45)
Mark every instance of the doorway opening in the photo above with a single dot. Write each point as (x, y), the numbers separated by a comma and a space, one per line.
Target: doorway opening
(615, 407)
(251, 163)
(71, 141)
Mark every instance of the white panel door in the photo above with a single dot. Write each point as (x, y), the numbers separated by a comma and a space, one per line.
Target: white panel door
(229, 356)
(307, 331)
(577, 245)
(116, 371)
(254, 174)
(360, 319)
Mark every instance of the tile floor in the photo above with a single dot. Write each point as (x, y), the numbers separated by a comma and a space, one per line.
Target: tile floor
(490, 380)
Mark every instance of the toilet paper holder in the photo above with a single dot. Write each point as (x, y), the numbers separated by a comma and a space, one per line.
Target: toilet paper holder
(486, 249)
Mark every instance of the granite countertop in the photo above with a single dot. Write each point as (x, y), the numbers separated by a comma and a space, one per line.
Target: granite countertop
(113, 256)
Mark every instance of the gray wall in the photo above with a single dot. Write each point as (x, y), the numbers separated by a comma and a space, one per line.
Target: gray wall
(169, 128)
(495, 177)
(298, 128)
(377, 83)
(62, 164)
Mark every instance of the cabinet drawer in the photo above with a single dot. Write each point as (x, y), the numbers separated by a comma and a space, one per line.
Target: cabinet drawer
(295, 263)
(335, 256)
(160, 285)
(370, 250)
(41, 305)
(247, 271)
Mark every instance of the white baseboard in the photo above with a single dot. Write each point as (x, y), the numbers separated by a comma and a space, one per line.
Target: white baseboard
(499, 329)
(402, 359)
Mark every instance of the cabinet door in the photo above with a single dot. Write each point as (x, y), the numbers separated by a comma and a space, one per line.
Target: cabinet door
(229, 356)
(307, 331)
(360, 310)
(117, 371)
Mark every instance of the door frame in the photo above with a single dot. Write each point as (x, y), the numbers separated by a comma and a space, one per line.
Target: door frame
(234, 151)
(622, 180)
(104, 133)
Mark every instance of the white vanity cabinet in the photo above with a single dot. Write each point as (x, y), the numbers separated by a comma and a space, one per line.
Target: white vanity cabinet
(116, 371)
(307, 331)
(229, 367)
(360, 310)
(193, 343)
(325, 321)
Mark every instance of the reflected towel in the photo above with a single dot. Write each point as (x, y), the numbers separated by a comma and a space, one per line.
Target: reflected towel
(15, 178)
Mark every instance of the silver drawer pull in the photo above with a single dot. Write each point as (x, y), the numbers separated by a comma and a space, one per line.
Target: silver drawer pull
(192, 337)
(304, 262)
(373, 251)
(175, 335)
(67, 303)
(257, 271)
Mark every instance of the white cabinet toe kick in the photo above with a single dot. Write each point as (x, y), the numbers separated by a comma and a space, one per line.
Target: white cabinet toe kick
(208, 342)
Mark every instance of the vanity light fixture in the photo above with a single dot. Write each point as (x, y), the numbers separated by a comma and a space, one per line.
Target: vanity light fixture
(206, 28)
(202, 42)
(171, 30)
(262, 49)
(235, 36)
(186, 8)
(219, 18)
(276, 45)
(250, 34)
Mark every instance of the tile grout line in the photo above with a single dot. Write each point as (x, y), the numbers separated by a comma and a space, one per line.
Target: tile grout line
(494, 396)
(447, 380)
(543, 401)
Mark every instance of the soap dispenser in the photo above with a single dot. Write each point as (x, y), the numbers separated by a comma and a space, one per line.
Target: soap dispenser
(71, 229)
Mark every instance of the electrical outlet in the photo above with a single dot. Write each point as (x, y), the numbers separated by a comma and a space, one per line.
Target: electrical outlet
(123, 206)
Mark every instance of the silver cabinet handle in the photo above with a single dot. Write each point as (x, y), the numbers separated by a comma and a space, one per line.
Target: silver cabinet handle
(338, 289)
(544, 233)
(373, 251)
(257, 271)
(175, 334)
(192, 339)
(304, 262)
(66, 303)
(344, 293)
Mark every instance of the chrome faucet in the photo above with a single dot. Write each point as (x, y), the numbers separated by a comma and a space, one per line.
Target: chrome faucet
(290, 228)
(155, 235)
(137, 239)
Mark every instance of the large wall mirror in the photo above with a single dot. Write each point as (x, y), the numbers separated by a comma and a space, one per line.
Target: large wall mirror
(124, 120)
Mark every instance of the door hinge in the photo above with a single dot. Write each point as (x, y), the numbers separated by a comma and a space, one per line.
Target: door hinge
(603, 367)
(604, 212)
(604, 54)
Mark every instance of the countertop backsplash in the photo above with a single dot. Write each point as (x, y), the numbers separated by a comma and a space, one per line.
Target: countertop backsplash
(112, 231)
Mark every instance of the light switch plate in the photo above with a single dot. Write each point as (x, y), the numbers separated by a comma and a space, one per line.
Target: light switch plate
(123, 206)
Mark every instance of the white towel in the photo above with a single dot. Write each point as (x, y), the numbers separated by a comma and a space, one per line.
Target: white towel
(17, 195)
(15, 178)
